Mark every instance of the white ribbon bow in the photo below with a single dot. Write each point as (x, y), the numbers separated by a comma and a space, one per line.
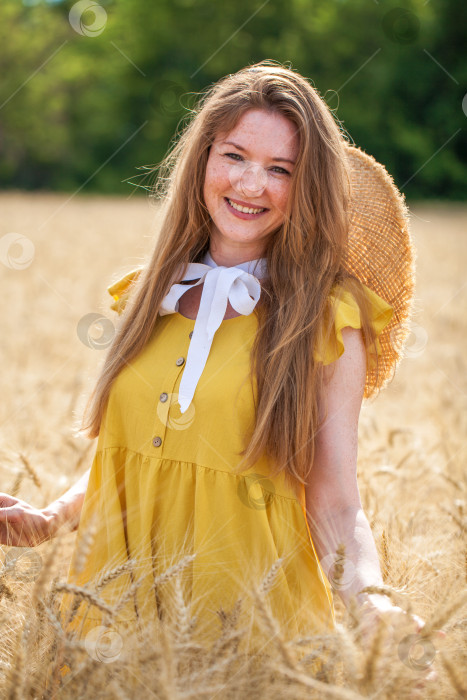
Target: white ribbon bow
(221, 284)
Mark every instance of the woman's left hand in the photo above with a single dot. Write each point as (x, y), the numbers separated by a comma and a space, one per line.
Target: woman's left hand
(414, 649)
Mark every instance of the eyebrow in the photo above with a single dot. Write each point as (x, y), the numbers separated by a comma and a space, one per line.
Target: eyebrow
(240, 148)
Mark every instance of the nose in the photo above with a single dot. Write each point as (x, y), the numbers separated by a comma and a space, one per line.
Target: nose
(252, 180)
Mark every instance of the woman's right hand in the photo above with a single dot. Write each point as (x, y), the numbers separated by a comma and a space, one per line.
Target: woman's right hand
(22, 525)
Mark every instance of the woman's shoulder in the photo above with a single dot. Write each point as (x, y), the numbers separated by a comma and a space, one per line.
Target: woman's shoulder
(344, 310)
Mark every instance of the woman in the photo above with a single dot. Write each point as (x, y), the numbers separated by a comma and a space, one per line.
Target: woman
(227, 409)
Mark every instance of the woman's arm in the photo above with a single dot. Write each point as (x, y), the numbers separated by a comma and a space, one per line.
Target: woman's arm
(334, 509)
(22, 525)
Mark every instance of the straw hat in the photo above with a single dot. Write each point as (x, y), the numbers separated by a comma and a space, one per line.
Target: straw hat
(381, 255)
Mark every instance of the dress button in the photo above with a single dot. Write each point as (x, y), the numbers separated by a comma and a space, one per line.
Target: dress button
(156, 441)
(180, 361)
(163, 397)
(190, 334)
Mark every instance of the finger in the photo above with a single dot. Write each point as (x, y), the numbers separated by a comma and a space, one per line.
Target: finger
(8, 536)
(6, 501)
(15, 533)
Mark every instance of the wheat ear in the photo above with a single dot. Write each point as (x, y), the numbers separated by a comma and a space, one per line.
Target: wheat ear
(272, 627)
(86, 595)
(440, 618)
(458, 683)
(30, 470)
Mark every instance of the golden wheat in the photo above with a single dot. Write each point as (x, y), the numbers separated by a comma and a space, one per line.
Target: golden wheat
(411, 474)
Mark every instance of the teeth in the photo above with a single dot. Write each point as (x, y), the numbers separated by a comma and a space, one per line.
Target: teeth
(245, 210)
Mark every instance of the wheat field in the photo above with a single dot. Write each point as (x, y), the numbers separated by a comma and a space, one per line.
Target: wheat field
(412, 475)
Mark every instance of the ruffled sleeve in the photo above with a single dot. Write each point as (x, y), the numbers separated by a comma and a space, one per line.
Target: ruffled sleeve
(347, 313)
(120, 290)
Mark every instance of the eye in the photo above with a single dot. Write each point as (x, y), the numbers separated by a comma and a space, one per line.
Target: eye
(281, 171)
(234, 156)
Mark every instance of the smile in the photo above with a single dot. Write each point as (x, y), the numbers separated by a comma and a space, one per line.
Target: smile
(244, 210)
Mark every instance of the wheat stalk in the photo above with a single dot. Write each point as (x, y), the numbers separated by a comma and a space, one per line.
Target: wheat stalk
(44, 573)
(174, 569)
(271, 626)
(16, 671)
(86, 594)
(459, 684)
(85, 544)
(442, 616)
(14, 490)
(325, 690)
(30, 470)
(184, 623)
(268, 581)
(398, 597)
(114, 573)
(5, 589)
(374, 654)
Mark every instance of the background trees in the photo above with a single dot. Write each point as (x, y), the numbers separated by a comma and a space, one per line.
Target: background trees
(86, 98)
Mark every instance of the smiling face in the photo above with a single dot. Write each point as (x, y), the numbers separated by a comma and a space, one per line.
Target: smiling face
(247, 183)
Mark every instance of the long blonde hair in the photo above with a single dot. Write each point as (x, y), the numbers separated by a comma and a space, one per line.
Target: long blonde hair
(305, 258)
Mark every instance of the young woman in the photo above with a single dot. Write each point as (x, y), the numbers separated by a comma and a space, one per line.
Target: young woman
(274, 301)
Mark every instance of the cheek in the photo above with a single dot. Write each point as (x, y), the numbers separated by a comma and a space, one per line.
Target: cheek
(280, 196)
(213, 181)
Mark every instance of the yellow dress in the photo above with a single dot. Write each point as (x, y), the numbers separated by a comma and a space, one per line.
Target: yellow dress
(162, 489)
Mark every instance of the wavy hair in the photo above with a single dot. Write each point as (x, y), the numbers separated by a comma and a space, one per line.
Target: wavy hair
(305, 259)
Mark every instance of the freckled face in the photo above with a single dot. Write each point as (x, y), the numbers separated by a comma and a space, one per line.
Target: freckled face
(247, 181)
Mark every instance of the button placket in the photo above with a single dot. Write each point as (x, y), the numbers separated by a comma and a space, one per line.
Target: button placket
(164, 401)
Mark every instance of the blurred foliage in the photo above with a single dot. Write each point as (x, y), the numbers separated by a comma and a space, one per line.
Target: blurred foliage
(81, 107)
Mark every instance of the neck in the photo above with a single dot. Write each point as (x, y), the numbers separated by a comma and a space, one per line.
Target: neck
(228, 257)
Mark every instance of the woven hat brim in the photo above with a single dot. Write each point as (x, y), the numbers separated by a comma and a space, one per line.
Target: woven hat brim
(381, 255)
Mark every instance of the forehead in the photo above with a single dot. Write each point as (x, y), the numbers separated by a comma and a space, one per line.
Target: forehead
(264, 133)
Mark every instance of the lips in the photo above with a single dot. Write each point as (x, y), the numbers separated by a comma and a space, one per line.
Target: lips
(246, 205)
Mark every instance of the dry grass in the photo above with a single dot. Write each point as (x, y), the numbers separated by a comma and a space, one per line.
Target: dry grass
(412, 476)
